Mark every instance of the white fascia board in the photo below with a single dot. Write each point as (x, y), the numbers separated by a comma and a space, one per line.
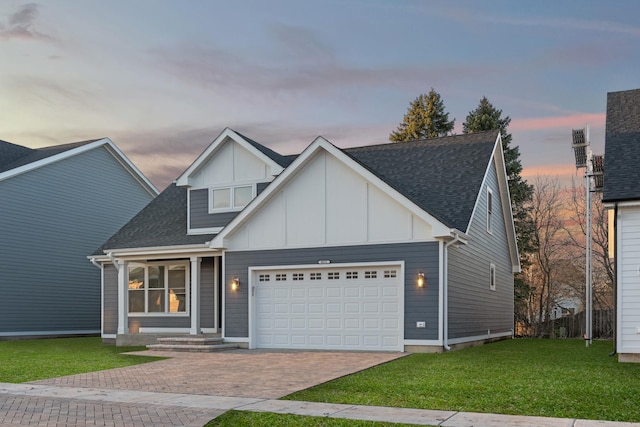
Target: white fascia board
(507, 212)
(160, 250)
(320, 143)
(111, 148)
(52, 159)
(627, 204)
(505, 201)
(183, 180)
(133, 170)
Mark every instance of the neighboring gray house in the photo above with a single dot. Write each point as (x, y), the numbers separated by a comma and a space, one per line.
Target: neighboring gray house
(622, 196)
(56, 205)
(398, 247)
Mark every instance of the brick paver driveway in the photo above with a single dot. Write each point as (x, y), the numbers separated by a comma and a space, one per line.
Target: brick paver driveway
(239, 373)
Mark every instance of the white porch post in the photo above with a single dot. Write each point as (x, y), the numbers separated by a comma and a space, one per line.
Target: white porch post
(123, 297)
(195, 295)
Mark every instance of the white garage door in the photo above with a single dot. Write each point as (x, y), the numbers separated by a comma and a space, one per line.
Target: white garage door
(336, 308)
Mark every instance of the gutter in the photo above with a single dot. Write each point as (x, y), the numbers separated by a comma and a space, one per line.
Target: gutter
(445, 314)
(93, 261)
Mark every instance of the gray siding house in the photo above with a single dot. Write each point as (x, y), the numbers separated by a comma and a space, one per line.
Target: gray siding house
(393, 247)
(56, 205)
(622, 196)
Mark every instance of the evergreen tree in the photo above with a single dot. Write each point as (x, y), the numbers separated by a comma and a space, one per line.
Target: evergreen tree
(425, 118)
(487, 117)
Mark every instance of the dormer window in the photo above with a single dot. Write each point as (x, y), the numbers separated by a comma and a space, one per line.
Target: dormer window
(230, 198)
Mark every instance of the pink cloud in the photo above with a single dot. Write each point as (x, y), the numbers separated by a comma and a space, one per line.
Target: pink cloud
(567, 122)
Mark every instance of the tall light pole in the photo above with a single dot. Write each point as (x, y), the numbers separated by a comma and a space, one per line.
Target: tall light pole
(594, 168)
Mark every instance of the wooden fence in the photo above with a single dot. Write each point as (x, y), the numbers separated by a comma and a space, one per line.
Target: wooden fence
(574, 326)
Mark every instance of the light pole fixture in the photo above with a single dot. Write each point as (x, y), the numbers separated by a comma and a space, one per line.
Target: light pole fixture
(594, 180)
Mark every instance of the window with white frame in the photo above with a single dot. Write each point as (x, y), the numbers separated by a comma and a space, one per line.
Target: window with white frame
(230, 198)
(489, 209)
(492, 277)
(158, 288)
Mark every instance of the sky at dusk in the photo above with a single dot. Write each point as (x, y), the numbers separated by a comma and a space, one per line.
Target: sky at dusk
(163, 78)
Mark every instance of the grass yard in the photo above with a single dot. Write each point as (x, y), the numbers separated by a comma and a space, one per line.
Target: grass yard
(262, 419)
(553, 378)
(30, 360)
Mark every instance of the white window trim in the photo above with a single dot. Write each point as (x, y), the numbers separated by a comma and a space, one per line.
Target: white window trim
(232, 189)
(490, 210)
(146, 266)
(492, 276)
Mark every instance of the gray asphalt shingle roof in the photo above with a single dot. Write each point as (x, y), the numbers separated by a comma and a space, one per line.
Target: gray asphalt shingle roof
(163, 222)
(622, 147)
(442, 176)
(13, 156)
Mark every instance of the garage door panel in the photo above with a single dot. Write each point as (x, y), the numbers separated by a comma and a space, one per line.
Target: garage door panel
(334, 308)
(371, 291)
(352, 307)
(352, 292)
(334, 292)
(334, 323)
(315, 292)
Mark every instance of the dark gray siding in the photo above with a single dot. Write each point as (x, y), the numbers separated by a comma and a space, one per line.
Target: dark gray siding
(51, 218)
(474, 309)
(199, 216)
(420, 304)
(207, 303)
(110, 300)
(199, 211)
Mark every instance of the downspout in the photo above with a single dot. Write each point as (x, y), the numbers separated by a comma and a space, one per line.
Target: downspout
(113, 261)
(445, 286)
(615, 275)
(94, 262)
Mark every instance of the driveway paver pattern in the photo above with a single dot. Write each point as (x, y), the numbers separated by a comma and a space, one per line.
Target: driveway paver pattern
(239, 373)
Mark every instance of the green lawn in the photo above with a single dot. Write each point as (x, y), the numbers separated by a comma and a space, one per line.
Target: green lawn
(30, 360)
(263, 419)
(554, 378)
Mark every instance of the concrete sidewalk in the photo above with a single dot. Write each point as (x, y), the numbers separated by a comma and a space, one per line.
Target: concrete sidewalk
(48, 405)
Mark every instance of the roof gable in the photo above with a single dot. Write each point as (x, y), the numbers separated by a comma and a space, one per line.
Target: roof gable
(273, 160)
(163, 222)
(37, 158)
(319, 144)
(622, 146)
(441, 175)
(10, 153)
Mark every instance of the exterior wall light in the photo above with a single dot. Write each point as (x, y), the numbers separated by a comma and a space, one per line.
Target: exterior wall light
(420, 280)
(235, 284)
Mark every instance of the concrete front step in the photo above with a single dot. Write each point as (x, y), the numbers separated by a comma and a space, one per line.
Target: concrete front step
(190, 340)
(194, 348)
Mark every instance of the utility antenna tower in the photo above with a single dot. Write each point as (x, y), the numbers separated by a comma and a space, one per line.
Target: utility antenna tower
(594, 181)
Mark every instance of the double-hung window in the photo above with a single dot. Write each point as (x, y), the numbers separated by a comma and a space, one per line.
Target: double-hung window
(230, 198)
(158, 288)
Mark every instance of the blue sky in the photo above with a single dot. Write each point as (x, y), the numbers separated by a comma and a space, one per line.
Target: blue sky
(162, 78)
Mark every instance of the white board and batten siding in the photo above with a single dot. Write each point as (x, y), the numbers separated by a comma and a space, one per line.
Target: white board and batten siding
(328, 307)
(328, 204)
(629, 280)
(232, 164)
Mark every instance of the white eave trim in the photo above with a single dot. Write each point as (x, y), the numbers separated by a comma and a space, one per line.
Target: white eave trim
(497, 156)
(183, 180)
(627, 204)
(152, 251)
(218, 242)
(111, 147)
